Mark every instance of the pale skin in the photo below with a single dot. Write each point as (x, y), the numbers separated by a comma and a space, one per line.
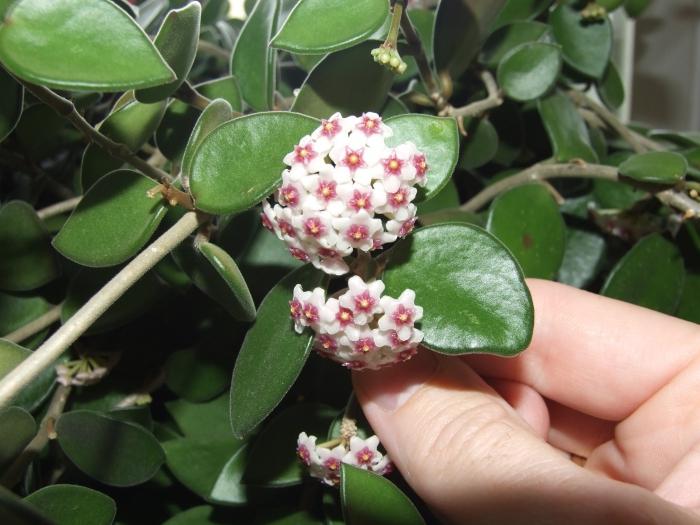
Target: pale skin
(488, 440)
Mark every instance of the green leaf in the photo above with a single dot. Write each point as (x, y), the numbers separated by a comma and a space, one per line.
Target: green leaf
(347, 81)
(201, 421)
(480, 145)
(253, 61)
(240, 162)
(610, 88)
(689, 306)
(518, 10)
(197, 374)
(113, 452)
(10, 103)
(224, 87)
(635, 8)
(657, 167)
(215, 114)
(681, 138)
(475, 299)
(228, 489)
(19, 310)
(446, 198)
(437, 138)
(460, 28)
(530, 70)
(272, 465)
(527, 220)
(272, 355)
(39, 39)
(14, 511)
(112, 222)
(586, 45)
(42, 132)
(508, 37)
(177, 43)
(73, 505)
(566, 129)
(138, 415)
(27, 261)
(337, 24)
(202, 515)
(651, 274)
(369, 499)
(17, 429)
(583, 258)
(32, 395)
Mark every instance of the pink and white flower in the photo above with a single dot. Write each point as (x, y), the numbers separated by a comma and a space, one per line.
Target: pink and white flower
(362, 298)
(400, 314)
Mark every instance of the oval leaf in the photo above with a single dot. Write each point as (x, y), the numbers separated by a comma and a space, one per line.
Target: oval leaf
(657, 167)
(32, 395)
(240, 162)
(197, 374)
(39, 39)
(73, 505)
(689, 306)
(437, 138)
(216, 113)
(566, 129)
(113, 452)
(369, 499)
(112, 222)
(507, 38)
(228, 489)
(17, 429)
(10, 103)
(529, 70)
(651, 274)
(610, 88)
(583, 258)
(272, 354)
(202, 420)
(177, 42)
(471, 289)
(336, 25)
(14, 511)
(527, 220)
(518, 10)
(480, 145)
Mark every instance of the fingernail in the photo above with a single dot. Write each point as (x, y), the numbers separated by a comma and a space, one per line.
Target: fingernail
(391, 387)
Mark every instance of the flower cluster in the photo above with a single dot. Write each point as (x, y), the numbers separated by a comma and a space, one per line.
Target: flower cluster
(344, 189)
(361, 328)
(324, 463)
(86, 370)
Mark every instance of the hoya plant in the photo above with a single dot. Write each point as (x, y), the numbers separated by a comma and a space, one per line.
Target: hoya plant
(208, 224)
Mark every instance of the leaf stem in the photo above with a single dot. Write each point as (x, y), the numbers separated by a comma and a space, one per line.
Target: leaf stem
(35, 326)
(493, 99)
(189, 95)
(59, 208)
(212, 49)
(54, 346)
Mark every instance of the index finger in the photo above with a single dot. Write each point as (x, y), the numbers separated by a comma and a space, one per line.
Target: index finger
(597, 355)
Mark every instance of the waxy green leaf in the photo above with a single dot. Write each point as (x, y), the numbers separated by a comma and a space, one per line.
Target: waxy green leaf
(134, 454)
(480, 145)
(202, 421)
(610, 88)
(253, 61)
(371, 499)
(32, 395)
(586, 45)
(347, 82)
(240, 162)
(689, 306)
(215, 114)
(656, 167)
(475, 300)
(197, 374)
(112, 222)
(271, 350)
(10, 103)
(583, 258)
(73, 505)
(527, 220)
(17, 512)
(228, 489)
(504, 40)
(651, 274)
(566, 129)
(177, 43)
(17, 429)
(27, 261)
(201, 515)
(337, 24)
(519, 10)
(79, 45)
(530, 70)
(437, 138)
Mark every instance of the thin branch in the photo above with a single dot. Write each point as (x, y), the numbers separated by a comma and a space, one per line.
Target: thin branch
(36, 326)
(212, 49)
(66, 109)
(189, 95)
(59, 208)
(54, 346)
(493, 99)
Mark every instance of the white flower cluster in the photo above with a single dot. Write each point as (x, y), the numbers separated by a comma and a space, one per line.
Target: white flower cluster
(324, 463)
(340, 179)
(360, 329)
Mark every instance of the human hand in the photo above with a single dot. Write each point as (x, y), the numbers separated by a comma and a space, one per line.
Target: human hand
(483, 439)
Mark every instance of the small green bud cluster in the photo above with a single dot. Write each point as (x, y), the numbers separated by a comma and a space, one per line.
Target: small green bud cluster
(390, 58)
(593, 12)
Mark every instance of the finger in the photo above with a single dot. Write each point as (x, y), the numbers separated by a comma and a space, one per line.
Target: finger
(680, 486)
(525, 400)
(588, 350)
(575, 432)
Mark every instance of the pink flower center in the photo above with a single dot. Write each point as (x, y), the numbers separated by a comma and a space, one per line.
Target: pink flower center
(398, 199)
(332, 464)
(403, 316)
(364, 302)
(357, 232)
(299, 254)
(365, 345)
(304, 154)
(364, 456)
(354, 159)
(310, 313)
(407, 227)
(327, 343)
(266, 222)
(360, 201)
(327, 253)
(314, 227)
(286, 228)
(304, 454)
(370, 125)
(289, 195)
(295, 308)
(420, 164)
(326, 190)
(330, 128)
(392, 165)
(344, 316)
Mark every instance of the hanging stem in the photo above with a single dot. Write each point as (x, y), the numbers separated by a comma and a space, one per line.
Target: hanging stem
(493, 99)
(36, 326)
(59, 208)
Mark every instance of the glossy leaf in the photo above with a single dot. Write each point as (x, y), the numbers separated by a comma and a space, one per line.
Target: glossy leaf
(201, 515)
(566, 129)
(527, 220)
(32, 395)
(17, 429)
(201, 421)
(228, 488)
(197, 374)
(253, 398)
(437, 138)
(651, 274)
(253, 61)
(215, 114)
(112, 222)
(113, 452)
(270, 465)
(610, 88)
(635, 8)
(337, 24)
(27, 261)
(689, 306)
(347, 82)
(586, 45)
(480, 145)
(369, 499)
(446, 198)
(39, 39)
(460, 28)
(240, 162)
(657, 167)
(19, 310)
(475, 301)
(583, 258)
(73, 505)
(14, 511)
(225, 87)
(507, 38)
(177, 43)
(10, 103)
(681, 138)
(530, 70)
